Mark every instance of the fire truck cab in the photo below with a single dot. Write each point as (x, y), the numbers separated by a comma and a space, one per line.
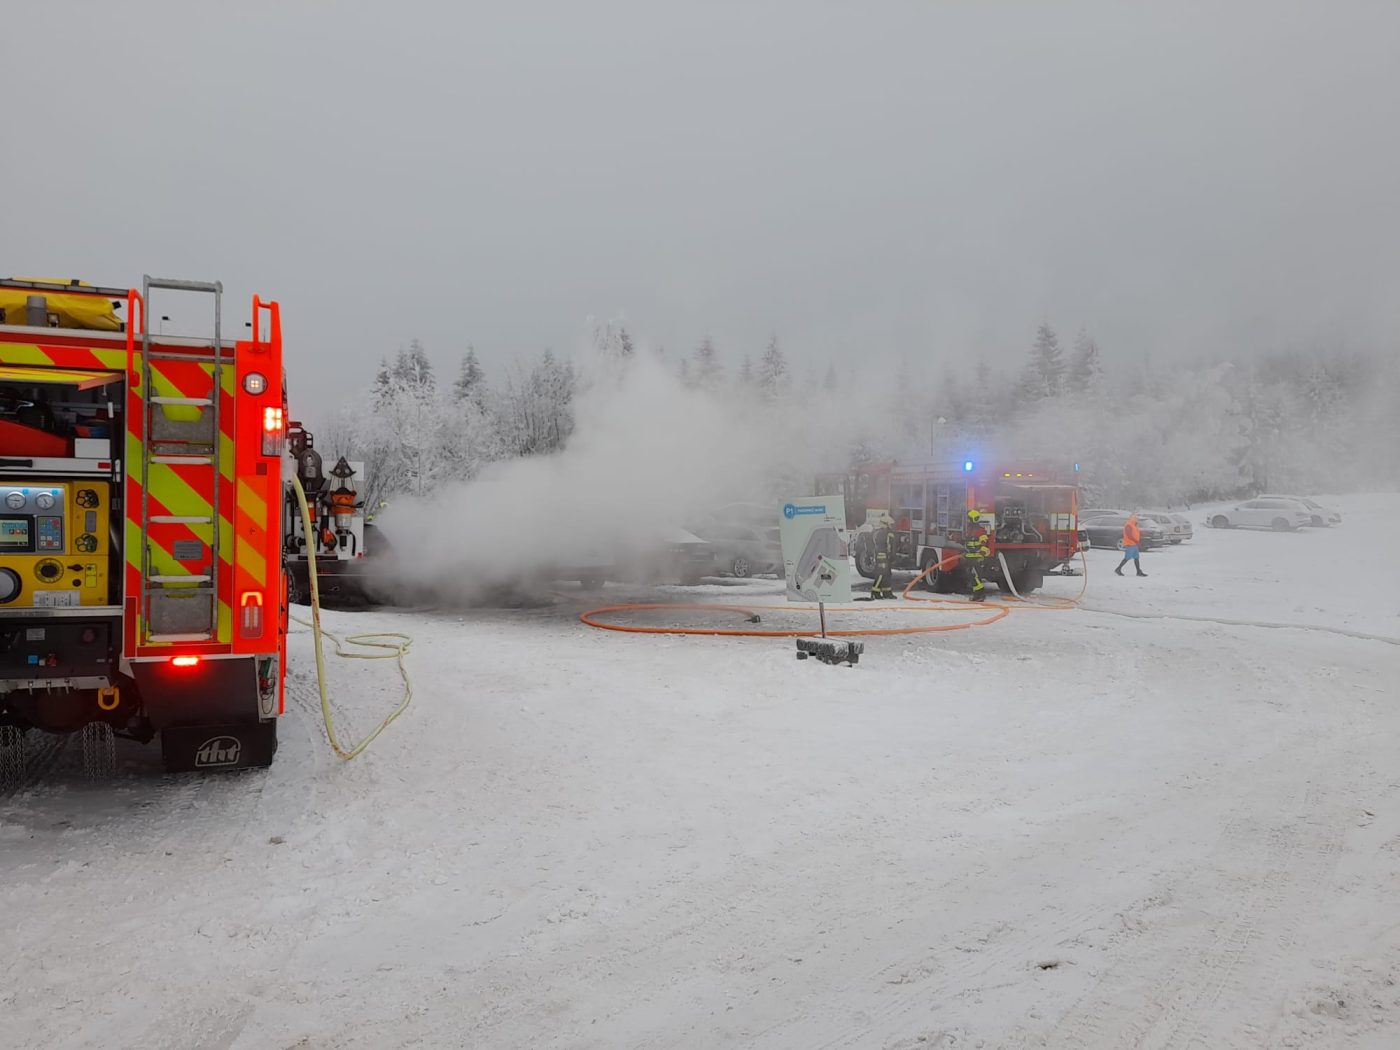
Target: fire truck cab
(141, 577)
(1032, 511)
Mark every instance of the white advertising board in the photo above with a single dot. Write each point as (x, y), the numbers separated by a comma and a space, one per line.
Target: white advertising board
(816, 561)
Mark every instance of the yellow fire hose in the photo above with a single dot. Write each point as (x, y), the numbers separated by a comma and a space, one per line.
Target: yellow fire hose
(395, 644)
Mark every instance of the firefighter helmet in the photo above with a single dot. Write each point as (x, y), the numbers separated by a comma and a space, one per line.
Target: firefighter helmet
(974, 515)
(885, 519)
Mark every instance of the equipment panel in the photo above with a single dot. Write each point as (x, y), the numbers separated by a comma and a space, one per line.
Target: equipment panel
(54, 543)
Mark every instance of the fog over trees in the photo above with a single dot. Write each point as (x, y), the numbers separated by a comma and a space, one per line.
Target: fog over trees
(1315, 420)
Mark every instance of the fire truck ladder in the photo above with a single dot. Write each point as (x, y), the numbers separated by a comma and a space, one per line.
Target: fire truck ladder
(181, 607)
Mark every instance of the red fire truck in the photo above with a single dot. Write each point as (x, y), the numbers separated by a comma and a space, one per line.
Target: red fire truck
(1033, 510)
(141, 575)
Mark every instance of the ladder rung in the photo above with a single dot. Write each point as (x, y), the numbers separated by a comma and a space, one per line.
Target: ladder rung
(179, 519)
(223, 356)
(181, 401)
(179, 579)
(180, 637)
(189, 461)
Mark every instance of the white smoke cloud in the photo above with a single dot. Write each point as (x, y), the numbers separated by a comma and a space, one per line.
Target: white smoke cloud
(647, 455)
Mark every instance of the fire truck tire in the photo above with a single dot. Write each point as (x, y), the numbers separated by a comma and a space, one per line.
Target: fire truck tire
(1028, 580)
(297, 593)
(865, 557)
(933, 579)
(12, 758)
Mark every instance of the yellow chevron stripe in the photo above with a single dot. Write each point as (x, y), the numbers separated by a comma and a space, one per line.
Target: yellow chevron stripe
(251, 559)
(252, 504)
(23, 354)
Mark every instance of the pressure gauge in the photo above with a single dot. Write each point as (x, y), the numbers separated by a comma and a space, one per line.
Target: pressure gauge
(14, 500)
(44, 501)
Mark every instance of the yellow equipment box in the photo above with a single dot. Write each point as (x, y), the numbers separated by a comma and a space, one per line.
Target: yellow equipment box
(54, 543)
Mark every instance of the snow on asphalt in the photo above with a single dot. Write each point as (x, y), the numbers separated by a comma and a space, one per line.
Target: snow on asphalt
(1145, 822)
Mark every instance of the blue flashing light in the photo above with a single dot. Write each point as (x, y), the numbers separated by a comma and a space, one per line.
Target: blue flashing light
(1076, 468)
(967, 465)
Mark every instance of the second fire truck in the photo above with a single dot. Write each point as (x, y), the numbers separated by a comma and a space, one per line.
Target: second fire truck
(1032, 510)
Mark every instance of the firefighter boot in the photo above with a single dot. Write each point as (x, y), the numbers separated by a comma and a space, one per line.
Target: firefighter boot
(1119, 571)
(1140, 572)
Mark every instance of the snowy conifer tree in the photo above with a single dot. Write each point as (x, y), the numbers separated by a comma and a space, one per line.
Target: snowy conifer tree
(773, 376)
(1045, 371)
(707, 372)
(1086, 370)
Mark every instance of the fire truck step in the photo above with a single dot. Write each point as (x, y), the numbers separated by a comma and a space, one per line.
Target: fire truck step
(204, 637)
(177, 579)
(201, 401)
(188, 461)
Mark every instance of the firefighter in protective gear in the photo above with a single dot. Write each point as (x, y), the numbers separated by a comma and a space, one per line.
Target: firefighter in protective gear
(884, 559)
(975, 551)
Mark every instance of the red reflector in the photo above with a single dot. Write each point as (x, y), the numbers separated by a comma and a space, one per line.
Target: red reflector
(251, 619)
(185, 661)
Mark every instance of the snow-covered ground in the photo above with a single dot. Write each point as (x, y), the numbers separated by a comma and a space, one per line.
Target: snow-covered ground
(1150, 822)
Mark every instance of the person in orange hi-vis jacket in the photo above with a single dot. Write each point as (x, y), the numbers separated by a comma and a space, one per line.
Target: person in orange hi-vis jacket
(1132, 539)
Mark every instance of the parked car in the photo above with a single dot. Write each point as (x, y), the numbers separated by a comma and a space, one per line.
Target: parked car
(1281, 515)
(742, 550)
(1106, 530)
(1099, 512)
(1175, 529)
(1185, 523)
(672, 555)
(1322, 517)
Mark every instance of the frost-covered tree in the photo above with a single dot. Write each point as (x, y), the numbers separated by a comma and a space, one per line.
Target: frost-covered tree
(1045, 370)
(412, 367)
(1086, 368)
(706, 371)
(773, 376)
(535, 407)
(470, 384)
(383, 384)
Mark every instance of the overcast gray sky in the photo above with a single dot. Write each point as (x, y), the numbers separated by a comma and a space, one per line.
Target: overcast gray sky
(918, 178)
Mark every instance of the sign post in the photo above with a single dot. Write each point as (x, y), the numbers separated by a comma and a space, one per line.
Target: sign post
(817, 566)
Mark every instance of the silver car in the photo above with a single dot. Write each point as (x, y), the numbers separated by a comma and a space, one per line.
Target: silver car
(1322, 517)
(1281, 515)
(1171, 528)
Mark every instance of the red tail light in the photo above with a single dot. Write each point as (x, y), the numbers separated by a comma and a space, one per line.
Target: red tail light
(185, 661)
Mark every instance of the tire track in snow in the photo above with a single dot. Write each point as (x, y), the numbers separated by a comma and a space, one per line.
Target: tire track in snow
(938, 973)
(1294, 858)
(1269, 624)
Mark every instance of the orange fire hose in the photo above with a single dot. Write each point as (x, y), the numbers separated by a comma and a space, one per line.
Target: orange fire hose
(999, 611)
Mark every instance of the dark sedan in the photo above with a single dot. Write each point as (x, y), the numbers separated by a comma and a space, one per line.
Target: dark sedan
(1106, 530)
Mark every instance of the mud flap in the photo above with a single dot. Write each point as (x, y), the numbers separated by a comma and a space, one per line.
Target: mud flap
(200, 749)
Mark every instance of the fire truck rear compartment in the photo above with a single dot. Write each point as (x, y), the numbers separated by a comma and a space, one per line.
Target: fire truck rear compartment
(140, 568)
